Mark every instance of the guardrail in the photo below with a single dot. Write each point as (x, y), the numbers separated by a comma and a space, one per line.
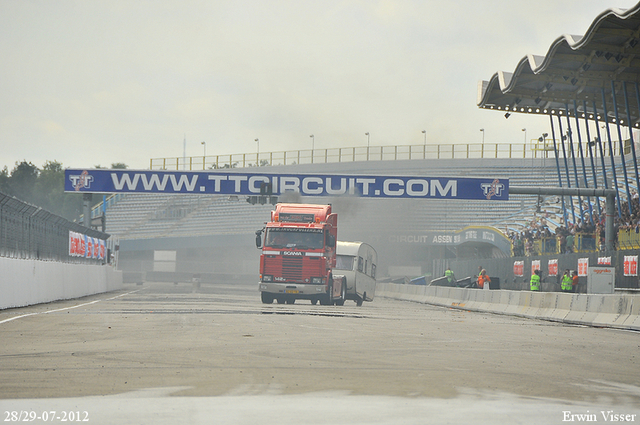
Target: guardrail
(628, 239)
(620, 311)
(533, 149)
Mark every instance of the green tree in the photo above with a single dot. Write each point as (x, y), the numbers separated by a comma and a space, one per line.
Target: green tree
(22, 181)
(50, 187)
(119, 166)
(4, 180)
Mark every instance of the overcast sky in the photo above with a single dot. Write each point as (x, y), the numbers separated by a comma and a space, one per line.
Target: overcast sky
(95, 82)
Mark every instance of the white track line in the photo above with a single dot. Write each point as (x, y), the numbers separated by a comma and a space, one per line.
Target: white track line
(66, 308)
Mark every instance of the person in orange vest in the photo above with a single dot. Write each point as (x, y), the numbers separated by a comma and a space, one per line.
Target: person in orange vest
(574, 282)
(483, 279)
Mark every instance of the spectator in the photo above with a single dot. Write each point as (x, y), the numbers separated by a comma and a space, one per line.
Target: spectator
(575, 281)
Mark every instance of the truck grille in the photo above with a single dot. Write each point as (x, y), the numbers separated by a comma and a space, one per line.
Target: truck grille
(292, 268)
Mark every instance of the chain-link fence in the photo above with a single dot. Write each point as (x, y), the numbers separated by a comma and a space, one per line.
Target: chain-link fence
(29, 232)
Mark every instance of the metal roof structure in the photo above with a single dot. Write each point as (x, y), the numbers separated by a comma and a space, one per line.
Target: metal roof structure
(576, 73)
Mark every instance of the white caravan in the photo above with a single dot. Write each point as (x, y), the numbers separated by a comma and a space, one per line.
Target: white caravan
(357, 261)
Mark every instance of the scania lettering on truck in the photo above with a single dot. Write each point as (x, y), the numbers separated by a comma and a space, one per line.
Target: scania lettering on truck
(299, 254)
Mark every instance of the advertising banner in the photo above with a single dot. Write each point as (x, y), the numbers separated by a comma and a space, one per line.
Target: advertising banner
(86, 247)
(631, 265)
(518, 268)
(254, 183)
(535, 265)
(604, 261)
(583, 266)
(553, 267)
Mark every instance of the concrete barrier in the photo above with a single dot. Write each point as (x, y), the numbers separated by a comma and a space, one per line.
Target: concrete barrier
(29, 282)
(615, 310)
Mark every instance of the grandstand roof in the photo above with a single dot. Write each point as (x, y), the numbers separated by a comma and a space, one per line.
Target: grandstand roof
(576, 68)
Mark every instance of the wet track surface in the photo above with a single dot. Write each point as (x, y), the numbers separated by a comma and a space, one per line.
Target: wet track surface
(218, 352)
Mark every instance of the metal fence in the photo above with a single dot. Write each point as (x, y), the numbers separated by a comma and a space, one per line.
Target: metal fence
(29, 232)
(533, 149)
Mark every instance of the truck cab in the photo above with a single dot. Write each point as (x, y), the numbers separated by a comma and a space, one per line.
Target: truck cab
(299, 254)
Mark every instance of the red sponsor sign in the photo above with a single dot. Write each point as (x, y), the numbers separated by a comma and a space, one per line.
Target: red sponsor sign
(631, 265)
(583, 266)
(85, 246)
(518, 268)
(535, 265)
(604, 261)
(553, 267)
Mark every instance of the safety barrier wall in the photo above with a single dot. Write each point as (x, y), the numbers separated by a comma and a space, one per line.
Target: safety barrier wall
(28, 282)
(616, 311)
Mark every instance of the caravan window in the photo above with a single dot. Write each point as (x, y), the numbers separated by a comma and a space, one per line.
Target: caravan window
(344, 262)
(360, 264)
(373, 270)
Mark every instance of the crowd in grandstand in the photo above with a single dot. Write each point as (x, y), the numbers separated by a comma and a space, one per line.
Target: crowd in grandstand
(538, 236)
(630, 220)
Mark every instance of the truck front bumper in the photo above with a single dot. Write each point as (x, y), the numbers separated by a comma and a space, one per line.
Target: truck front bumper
(295, 290)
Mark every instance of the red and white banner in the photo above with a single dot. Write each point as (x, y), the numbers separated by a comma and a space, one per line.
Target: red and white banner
(583, 266)
(518, 268)
(631, 265)
(86, 247)
(553, 267)
(535, 265)
(604, 261)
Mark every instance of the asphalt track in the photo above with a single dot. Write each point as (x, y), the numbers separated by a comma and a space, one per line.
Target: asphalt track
(164, 353)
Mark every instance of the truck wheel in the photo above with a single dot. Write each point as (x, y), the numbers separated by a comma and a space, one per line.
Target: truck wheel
(314, 301)
(290, 300)
(280, 300)
(266, 298)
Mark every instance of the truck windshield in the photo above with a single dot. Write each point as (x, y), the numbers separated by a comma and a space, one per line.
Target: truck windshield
(295, 238)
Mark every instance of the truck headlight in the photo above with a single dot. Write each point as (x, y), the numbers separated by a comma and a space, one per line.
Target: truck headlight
(267, 278)
(316, 280)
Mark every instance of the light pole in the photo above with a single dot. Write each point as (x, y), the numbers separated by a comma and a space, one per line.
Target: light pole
(482, 130)
(204, 155)
(313, 142)
(424, 149)
(258, 154)
(525, 135)
(368, 143)
(425, 136)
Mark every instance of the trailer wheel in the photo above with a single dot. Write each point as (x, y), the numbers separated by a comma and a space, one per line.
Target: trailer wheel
(343, 294)
(266, 298)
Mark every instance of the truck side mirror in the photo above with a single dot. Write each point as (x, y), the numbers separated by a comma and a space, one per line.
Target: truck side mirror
(259, 239)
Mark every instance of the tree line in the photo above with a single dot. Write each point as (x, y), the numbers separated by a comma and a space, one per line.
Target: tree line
(44, 187)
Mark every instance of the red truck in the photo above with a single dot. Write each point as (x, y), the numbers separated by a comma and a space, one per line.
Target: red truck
(299, 255)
